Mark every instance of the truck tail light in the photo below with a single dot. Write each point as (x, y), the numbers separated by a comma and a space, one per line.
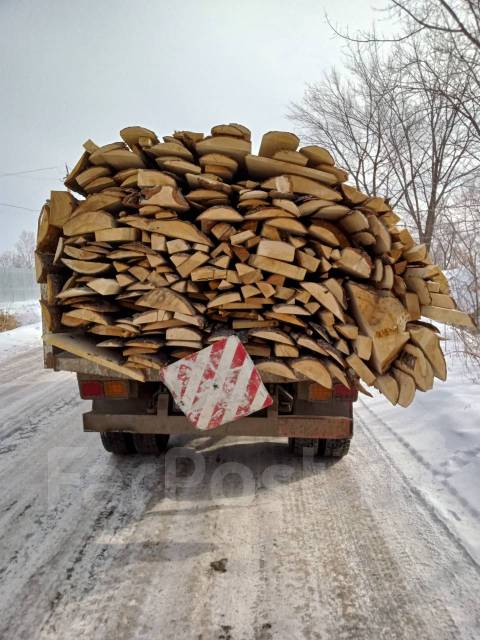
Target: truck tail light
(116, 388)
(341, 391)
(317, 392)
(91, 389)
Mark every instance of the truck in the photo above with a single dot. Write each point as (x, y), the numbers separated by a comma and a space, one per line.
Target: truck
(139, 417)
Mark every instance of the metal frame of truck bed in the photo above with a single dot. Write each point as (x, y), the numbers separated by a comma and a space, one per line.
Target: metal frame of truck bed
(149, 408)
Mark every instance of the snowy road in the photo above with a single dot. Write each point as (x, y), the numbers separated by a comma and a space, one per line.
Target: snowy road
(96, 547)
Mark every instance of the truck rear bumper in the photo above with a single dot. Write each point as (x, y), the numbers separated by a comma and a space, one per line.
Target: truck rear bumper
(270, 424)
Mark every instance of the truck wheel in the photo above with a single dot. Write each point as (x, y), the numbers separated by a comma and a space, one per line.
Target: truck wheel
(296, 445)
(117, 442)
(150, 443)
(335, 448)
(326, 448)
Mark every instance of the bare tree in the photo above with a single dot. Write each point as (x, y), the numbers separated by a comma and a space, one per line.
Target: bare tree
(24, 249)
(23, 253)
(453, 29)
(394, 134)
(7, 259)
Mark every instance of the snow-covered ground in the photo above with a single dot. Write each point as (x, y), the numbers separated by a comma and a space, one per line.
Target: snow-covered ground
(20, 340)
(26, 311)
(436, 444)
(382, 544)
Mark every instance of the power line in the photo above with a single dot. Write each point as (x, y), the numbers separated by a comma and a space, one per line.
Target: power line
(16, 206)
(19, 173)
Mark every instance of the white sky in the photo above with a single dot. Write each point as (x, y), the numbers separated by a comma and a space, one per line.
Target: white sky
(70, 71)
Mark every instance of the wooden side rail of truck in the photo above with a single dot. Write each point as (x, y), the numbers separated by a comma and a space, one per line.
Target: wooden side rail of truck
(139, 417)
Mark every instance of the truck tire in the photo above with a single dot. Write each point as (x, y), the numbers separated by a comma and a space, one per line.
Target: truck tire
(150, 443)
(335, 448)
(325, 448)
(297, 445)
(118, 442)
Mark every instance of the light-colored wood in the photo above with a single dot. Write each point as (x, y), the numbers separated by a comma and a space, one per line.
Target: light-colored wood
(355, 262)
(221, 213)
(88, 222)
(285, 350)
(325, 297)
(275, 141)
(105, 286)
(380, 315)
(317, 155)
(87, 316)
(313, 369)
(429, 342)
(448, 316)
(224, 298)
(277, 368)
(363, 347)
(85, 348)
(47, 233)
(180, 229)
(62, 206)
(288, 225)
(412, 360)
(117, 234)
(278, 250)
(88, 267)
(406, 387)
(442, 300)
(232, 147)
(272, 335)
(167, 300)
(388, 386)
(361, 369)
(276, 266)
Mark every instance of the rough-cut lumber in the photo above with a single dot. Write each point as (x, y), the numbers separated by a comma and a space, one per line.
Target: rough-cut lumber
(382, 317)
(406, 387)
(429, 342)
(85, 348)
(271, 265)
(313, 369)
(277, 369)
(167, 300)
(88, 222)
(388, 386)
(180, 229)
(183, 239)
(89, 267)
(299, 184)
(62, 205)
(361, 369)
(275, 249)
(447, 316)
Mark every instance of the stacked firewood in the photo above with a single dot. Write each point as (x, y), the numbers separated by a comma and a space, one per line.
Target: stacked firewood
(179, 242)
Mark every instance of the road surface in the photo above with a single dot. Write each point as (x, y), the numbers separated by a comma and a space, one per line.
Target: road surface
(94, 547)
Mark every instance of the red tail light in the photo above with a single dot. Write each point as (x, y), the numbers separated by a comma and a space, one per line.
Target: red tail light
(341, 391)
(91, 389)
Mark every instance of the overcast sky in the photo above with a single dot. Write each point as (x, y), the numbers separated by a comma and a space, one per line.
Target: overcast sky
(70, 71)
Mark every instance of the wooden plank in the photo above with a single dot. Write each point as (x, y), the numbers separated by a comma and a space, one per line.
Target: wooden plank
(276, 266)
(278, 250)
(85, 348)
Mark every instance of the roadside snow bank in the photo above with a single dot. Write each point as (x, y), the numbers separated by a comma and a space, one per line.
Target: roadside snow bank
(26, 311)
(19, 340)
(436, 443)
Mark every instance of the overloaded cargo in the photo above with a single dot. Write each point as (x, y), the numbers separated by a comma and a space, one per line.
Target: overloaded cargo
(171, 244)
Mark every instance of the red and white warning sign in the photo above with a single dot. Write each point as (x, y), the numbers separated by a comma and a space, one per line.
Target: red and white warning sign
(216, 385)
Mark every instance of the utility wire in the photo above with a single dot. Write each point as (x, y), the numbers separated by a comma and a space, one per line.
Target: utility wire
(19, 173)
(15, 206)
